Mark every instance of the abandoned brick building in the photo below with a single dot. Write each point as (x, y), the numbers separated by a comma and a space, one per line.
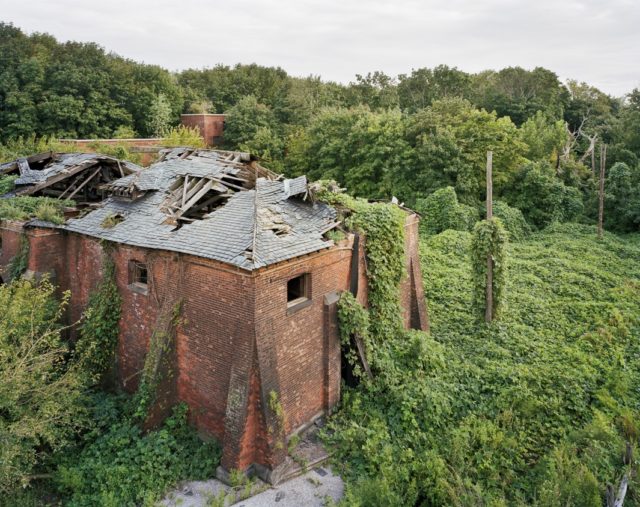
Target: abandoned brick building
(247, 255)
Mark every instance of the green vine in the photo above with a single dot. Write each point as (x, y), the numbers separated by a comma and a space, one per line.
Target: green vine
(489, 238)
(159, 346)
(20, 261)
(98, 338)
(382, 225)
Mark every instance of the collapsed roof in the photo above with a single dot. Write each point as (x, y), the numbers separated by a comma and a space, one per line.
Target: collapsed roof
(77, 176)
(212, 204)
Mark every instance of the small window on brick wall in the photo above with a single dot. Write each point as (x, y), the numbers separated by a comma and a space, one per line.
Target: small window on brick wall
(299, 292)
(138, 276)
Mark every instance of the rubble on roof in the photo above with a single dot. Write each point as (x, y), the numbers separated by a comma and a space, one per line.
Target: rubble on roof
(212, 204)
(77, 176)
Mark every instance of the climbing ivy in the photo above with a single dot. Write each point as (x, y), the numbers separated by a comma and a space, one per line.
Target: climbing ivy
(159, 346)
(489, 238)
(96, 346)
(382, 225)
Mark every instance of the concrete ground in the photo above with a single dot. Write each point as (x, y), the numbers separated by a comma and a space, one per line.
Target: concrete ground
(317, 488)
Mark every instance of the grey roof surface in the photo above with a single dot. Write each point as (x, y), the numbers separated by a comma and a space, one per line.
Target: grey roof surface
(240, 233)
(62, 163)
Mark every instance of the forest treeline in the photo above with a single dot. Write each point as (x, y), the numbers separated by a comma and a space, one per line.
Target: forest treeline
(379, 136)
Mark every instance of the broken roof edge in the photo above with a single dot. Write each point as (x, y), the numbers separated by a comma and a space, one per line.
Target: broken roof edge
(15, 164)
(255, 269)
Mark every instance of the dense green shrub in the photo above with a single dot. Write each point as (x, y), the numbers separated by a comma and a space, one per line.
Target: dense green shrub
(622, 198)
(383, 227)
(441, 211)
(41, 398)
(6, 184)
(24, 208)
(513, 220)
(354, 322)
(125, 467)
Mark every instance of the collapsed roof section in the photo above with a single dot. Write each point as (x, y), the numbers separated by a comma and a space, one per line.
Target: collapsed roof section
(212, 204)
(77, 176)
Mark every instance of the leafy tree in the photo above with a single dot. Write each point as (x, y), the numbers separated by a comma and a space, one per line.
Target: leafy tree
(542, 197)
(519, 93)
(420, 88)
(245, 119)
(622, 198)
(268, 146)
(307, 96)
(377, 90)
(451, 139)
(41, 398)
(159, 116)
(544, 137)
(360, 149)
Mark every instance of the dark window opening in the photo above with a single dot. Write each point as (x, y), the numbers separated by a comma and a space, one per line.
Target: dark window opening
(298, 290)
(138, 275)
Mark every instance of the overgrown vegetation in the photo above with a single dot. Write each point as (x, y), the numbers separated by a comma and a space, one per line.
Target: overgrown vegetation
(383, 227)
(42, 208)
(19, 263)
(42, 403)
(121, 465)
(536, 409)
(155, 363)
(63, 439)
(489, 240)
(96, 345)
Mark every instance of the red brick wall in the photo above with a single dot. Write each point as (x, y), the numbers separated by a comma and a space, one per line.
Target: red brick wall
(291, 347)
(414, 306)
(10, 232)
(217, 334)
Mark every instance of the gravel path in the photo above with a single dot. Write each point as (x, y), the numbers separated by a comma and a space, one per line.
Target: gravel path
(315, 488)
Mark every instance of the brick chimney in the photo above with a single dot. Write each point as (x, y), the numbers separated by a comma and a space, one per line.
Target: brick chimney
(211, 126)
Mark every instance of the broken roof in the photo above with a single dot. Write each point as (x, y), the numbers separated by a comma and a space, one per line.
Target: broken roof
(46, 173)
(241, 213)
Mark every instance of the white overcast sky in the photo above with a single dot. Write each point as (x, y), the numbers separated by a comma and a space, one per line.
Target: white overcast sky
(595, 41)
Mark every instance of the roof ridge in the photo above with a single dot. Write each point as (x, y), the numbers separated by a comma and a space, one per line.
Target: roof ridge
(254, 241)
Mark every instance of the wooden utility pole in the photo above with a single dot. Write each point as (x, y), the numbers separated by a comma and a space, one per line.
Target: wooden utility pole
(488, 316)
(603, 162)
